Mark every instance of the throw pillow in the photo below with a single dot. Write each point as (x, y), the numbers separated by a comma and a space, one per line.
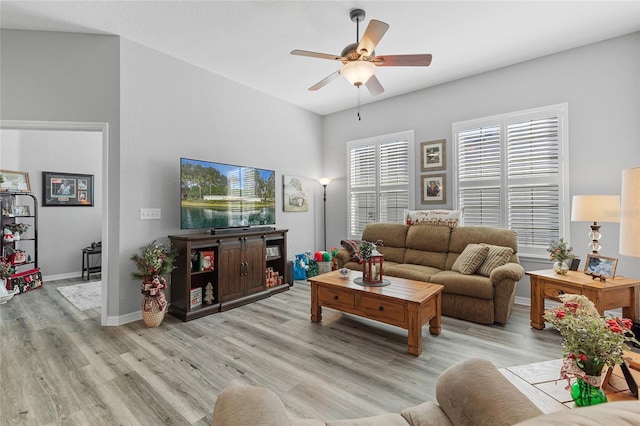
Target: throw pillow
(351, 246)
(448, 218)
(497, 256)
(471, 257)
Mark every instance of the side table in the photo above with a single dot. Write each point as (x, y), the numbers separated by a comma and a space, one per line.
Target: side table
(614, 293)
(87, 252)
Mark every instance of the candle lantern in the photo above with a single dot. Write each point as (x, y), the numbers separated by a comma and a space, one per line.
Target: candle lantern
(372, 269)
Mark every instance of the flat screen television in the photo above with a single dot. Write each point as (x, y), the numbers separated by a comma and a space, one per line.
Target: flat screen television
(217, 195)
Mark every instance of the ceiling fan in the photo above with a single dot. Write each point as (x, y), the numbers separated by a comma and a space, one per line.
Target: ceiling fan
(359, 58)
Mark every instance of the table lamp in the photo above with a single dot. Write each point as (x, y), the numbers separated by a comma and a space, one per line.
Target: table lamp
(630, 213)
(595, 208)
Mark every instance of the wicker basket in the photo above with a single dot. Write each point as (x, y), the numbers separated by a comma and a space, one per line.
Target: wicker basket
(154, 316)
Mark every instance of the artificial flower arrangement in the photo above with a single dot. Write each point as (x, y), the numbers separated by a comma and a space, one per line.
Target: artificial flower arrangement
(589, 341)
(154, 261)
(6, 268)
(16, 227)
(559, 251)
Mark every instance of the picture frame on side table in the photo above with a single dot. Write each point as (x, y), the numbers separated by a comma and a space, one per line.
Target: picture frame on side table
(600, 266)
(11, 181)
(433, 155)
(67, 189)
(434, 189)
(21, 211)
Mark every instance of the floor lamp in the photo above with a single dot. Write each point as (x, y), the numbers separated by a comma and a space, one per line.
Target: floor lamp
(595, 208)
(324, 182)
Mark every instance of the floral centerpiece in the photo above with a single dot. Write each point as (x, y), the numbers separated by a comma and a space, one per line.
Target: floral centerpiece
(153, 261)
(559, 252)
(589, 343)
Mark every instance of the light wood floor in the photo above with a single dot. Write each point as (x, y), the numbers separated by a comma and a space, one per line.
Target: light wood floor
(59, 366)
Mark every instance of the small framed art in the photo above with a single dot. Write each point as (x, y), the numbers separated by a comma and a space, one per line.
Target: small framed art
(432, 155)
(21, 211)
(433, 189)
(600, 266)
(11, 181)
(67, 189)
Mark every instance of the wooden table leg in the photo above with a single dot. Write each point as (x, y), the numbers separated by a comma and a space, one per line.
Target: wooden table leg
(631, 311)
(435, 322)
(316, 309)
(537, 303)
(414, 340)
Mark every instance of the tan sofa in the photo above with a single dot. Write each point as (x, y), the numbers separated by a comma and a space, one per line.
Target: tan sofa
(472, 393)
(427, 253)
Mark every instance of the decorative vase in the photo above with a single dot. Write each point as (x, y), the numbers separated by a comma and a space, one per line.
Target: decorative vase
(584, 393)
(560, 267)
(152, 315)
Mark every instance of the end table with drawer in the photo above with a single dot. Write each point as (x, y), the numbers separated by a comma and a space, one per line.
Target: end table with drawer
(618, 292)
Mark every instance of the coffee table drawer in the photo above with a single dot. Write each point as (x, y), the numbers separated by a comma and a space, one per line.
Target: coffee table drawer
(336, 298)
(383, 310)
(554, 290)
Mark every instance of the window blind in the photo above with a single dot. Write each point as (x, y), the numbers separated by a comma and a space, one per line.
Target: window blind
(509, 171)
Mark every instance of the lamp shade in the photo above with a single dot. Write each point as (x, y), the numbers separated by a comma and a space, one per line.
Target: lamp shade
(630, 213)
(595, 208)
(324, 181)
(358, 72)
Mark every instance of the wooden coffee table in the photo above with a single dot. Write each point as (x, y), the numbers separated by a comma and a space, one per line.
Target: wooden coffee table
(404, 303)
(540, 383)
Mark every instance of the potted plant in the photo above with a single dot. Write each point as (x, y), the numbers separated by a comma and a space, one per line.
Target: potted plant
(559, 252)
(153, 262)
(589, 343)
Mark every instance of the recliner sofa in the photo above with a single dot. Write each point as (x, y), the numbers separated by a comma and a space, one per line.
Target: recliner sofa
(428, 253)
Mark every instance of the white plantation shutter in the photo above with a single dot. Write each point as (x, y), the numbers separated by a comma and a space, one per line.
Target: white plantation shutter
(379, 180)
(509, 171)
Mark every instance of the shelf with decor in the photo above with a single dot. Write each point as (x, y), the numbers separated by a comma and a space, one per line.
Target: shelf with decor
(238, 269)
(19, 226)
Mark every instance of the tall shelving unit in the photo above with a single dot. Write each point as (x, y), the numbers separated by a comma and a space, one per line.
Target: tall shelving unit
(11, 213)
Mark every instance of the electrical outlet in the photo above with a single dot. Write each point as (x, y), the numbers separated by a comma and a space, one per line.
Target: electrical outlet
(146, 214)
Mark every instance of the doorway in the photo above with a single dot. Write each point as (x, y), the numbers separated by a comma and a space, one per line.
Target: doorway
(63, 147)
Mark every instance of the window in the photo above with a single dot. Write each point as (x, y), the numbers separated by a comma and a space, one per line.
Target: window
(510, 171)
(380, 180)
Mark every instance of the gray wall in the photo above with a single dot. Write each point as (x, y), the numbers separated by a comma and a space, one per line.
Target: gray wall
(600, 82)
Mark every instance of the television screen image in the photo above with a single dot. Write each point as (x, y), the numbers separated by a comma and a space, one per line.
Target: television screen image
(216, 195)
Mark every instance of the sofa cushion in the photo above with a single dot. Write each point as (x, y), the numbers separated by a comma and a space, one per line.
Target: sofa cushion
(410, 272)
(620, 413)
(470, 259)
(477, 286)
(426, 414)
(389, 234)
(433, 217)
(497, 256)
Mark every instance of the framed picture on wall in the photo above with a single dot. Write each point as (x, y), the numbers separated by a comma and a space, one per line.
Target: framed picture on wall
(11, 181)
(295, 194)
(433, 189)
(432, 155)
(67, 189)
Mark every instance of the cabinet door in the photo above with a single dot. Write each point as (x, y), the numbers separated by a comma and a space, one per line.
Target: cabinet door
(254, 256)
(230, 271)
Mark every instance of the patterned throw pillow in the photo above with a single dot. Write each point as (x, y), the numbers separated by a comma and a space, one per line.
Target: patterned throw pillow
(497, 256)
(471, 257)
(351, 246)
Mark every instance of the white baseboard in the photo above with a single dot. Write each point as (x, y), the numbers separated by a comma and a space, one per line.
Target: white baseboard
(124, 319)
(66, 276)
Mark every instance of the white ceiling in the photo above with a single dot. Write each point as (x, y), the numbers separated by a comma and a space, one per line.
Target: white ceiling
(249, 41)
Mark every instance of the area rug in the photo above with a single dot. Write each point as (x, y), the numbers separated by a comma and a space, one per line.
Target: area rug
(83, 296)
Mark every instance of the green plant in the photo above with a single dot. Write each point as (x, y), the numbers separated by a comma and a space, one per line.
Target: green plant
(560, 251)
(589, 340)
(153, 260)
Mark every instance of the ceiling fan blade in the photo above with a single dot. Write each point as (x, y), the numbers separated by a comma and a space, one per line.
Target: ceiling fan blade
(324, 81)
(371, 37)
(316, 55)
(374, 86)
(403, 60)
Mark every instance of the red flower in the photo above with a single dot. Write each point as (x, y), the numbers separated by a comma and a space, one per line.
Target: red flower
(583, 357)
(560, 314)
(572, 306)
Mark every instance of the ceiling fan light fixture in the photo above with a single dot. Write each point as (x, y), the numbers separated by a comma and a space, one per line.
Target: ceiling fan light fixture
(358, 72)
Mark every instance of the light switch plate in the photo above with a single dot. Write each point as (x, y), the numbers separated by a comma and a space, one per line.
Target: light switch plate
(146, 214)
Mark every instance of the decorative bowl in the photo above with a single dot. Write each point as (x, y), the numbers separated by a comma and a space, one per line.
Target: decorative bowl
(344, 272)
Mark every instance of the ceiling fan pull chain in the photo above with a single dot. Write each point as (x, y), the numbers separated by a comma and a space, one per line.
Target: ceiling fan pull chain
(359, 118)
